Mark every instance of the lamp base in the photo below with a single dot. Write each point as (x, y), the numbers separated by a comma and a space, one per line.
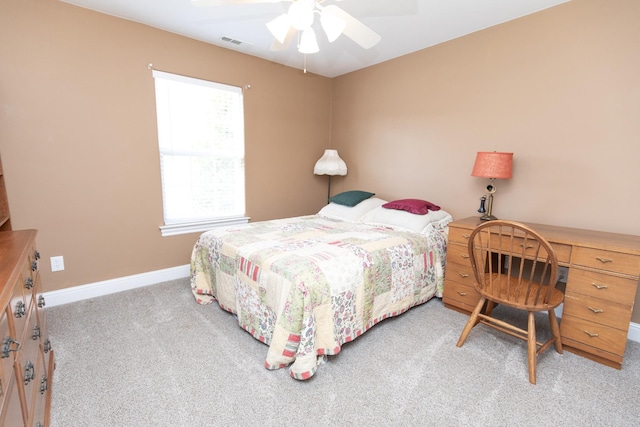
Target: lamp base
(487, 217)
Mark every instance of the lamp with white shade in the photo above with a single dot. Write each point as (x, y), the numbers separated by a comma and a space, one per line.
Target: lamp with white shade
(330, 164)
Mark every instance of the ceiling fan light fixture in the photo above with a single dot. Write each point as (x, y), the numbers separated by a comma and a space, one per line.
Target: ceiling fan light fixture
(279, 27)
(301, 14)
(308, 42)
(332, 25)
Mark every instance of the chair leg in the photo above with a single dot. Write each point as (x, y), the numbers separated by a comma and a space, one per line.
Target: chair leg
(555, 330)
(471, 322)
(531, 347)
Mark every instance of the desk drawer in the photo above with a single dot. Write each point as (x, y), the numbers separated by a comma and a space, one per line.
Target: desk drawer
(597, 311)
(611, 288)
(593, 334)
(463, 293)
(458, 254)
(606, 260)
(459, 235)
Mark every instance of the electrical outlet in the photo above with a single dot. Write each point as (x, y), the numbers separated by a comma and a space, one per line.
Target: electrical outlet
(563, 274)
(57, 263)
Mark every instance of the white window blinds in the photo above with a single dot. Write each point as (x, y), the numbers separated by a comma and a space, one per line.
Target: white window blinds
(201, 143)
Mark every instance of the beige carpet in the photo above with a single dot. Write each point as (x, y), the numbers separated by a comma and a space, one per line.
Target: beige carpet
(153, 357)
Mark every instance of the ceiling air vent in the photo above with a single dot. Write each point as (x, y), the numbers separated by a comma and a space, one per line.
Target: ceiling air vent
(232, 41)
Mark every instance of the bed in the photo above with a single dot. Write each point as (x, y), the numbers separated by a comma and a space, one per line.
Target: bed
(307, 285)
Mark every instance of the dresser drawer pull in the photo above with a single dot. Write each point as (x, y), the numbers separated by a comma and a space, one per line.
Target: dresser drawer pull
(29, 372)
(47, 346)
(43, 384)
(6, 346)
(20, 309)
(466, 236)
(591, 334)
(596, 310)
(465, 256)
(34, 266)
(36, 332)
(36, 255)
(41, 302)
(462, 294)
(463, 275)
(604, 260)
(28, 283)
(526, 246)
(595, 285)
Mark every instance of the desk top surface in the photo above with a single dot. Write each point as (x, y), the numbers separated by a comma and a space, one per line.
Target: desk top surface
(572, 236)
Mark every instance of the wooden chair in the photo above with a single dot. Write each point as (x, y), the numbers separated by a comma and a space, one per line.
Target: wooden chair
(515, 266)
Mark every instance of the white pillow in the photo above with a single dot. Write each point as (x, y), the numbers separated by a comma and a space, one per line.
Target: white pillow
(404, 220)
(350, 214)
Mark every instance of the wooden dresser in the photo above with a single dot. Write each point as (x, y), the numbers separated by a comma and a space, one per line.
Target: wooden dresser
(600, 292)
(27, 361)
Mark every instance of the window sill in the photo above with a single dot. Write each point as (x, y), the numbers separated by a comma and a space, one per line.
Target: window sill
(200, 226)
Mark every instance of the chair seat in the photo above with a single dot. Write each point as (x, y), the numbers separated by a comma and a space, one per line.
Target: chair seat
(523, 300)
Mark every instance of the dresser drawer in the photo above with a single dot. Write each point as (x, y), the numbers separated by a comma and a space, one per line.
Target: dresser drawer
(596, 310)
(593, 334)
(607, 287)
(606, 260)
(461, 273)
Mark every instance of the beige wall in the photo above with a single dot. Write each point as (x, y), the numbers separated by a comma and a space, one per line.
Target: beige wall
(560, 89)
(79, 144)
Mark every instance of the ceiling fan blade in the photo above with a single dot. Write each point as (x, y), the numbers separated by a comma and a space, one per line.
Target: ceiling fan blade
(276, 46)
(354, 29)
(206, 3)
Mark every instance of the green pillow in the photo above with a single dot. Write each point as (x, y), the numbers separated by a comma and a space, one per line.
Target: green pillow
(351, 198)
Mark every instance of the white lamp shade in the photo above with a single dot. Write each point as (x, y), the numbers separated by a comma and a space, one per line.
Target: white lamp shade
(279, 27)
(332, 25)
(301, 14)
(330, 164)
(308, 42)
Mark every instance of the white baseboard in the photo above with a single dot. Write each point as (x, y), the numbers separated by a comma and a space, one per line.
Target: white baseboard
(634, 332)
(92, 290)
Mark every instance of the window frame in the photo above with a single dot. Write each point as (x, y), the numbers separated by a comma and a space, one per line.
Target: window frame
(171, 228)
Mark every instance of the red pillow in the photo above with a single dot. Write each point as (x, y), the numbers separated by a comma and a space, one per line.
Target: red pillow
(415, 206)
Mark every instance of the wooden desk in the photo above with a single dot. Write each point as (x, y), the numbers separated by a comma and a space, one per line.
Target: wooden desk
(601, 288)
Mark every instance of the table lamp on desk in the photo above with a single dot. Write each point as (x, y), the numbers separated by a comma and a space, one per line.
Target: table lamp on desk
(491, 165)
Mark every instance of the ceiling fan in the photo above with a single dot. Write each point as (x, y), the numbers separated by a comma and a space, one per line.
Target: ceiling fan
(300, 17)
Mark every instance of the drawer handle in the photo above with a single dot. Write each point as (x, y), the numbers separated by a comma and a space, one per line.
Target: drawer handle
(599, 286)
(35, 334)
(463, 275)
(466, 236)
(20, 309)
(28, 283)
(591, 334)
(36, 255)
(29, 373)
(43, 384)
(604, 260)
(41, 302)
(47, 346)
(6, 346)
(34, 266)
(595, 310)
(462, 294)
(526, 246)
(465, 256)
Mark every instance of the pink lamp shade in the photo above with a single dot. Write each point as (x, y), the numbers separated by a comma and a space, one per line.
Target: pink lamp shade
(493, 165)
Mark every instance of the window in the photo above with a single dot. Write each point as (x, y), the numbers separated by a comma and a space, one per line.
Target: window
(201, 142)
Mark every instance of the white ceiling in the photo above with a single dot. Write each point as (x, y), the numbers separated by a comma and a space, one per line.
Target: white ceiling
(405, 26)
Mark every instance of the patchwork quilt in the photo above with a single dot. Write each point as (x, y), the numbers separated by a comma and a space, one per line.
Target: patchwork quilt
(306, 285)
